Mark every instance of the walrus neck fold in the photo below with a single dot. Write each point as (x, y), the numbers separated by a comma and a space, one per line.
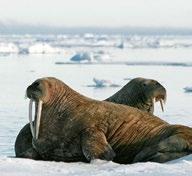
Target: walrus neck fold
(61, 102)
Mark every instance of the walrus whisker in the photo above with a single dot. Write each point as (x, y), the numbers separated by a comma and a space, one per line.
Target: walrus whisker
(38, 119)
(30, 117)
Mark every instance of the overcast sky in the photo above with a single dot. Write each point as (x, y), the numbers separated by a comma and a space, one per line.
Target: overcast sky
(105, 13)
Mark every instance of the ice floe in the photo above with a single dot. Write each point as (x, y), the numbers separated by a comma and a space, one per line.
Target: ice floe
(90, 57)
(8, 48)
(82, 57)
(188, 89)
(100, 83)
(42, 44)
(42, 48)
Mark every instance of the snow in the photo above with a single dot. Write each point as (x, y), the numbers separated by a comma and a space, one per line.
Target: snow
(27, 167)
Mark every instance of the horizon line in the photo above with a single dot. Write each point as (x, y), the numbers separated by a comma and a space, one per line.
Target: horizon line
(45, 29)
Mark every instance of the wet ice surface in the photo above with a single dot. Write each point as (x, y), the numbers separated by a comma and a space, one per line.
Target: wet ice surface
(18, 71)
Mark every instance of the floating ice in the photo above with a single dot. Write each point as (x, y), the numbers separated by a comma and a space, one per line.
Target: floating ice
(121, 45)
(143, 42)
(82, 57)
(41, 44)
(8, 48)
(90, 57)
(42, 48)
(188, 89)
(99, 83)
(23, 51)
(88, 36)
(101, 57)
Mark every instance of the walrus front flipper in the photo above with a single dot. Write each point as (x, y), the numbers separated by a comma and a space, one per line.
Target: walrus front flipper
(23, 144)
(95, 146)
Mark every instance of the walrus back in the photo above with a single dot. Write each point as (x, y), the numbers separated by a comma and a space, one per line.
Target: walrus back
(130, 129)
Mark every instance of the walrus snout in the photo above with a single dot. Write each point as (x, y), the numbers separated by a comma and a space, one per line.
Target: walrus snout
(34, 91)
(154, 91)
(160, 95)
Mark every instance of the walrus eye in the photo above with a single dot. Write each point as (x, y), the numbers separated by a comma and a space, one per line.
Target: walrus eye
(157, 84)
(144, 84)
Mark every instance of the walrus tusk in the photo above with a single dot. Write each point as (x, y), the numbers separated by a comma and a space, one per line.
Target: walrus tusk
(35, 131)
(161, 103)
(30, 117)
(38, 119)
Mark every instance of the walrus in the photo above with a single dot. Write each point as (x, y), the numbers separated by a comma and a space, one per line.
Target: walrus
(141, 93)
(71, 127)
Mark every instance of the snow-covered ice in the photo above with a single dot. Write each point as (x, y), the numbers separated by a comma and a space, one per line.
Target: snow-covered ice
(55, 43)
(42, 48)
(26, 167)
(8, 48)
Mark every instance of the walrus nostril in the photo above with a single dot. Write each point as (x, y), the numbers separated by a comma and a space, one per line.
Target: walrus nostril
(33, 90)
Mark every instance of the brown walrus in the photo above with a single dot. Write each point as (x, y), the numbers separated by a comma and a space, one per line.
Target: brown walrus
(139, 92)
(71, 127)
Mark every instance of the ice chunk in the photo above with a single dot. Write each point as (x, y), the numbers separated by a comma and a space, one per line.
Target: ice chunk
(104, 83)
(188, 89)
(23, 51)
(121, 45)
(42, 48)
(8, 48)
(82, 56)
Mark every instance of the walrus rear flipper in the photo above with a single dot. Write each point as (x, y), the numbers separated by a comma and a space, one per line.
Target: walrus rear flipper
(168, 149)
(95, 146)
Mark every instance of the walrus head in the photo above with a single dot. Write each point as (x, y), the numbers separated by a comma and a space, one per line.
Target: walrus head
(41, 92)
(141, 93)
(153, 91)
(146, 92)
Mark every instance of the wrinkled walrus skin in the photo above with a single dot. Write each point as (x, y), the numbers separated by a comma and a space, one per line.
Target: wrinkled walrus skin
(76, 128)
(139, 93)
